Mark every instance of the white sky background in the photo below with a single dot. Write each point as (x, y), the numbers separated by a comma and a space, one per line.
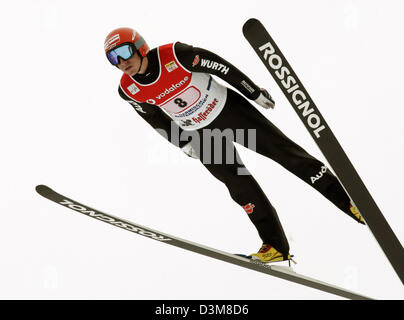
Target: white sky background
(63, 124)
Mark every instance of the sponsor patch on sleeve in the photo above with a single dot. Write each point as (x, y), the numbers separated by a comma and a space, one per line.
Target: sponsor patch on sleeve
(247, 86)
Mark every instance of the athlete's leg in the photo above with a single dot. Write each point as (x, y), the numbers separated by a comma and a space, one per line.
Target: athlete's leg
(221, 159)
(272, 143)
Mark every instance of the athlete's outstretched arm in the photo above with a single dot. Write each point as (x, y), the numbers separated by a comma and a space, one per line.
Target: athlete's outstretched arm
(200, 60)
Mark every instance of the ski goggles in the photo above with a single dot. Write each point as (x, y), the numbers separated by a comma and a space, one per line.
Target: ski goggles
(125, 52)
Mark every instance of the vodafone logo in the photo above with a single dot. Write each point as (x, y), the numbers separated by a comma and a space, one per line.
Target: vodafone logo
(172, 88)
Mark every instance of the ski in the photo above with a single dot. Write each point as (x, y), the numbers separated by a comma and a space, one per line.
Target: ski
(276, 271)
(287, 80)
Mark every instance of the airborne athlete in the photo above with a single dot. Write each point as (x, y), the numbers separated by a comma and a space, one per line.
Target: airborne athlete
(172, 88)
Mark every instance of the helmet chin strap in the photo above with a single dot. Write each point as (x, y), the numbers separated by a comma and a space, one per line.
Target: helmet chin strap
(141, 62)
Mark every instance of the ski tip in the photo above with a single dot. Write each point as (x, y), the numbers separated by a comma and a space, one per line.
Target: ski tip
(249, 23)
(41, 189)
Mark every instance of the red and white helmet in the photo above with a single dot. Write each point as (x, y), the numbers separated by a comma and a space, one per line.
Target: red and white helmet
(126, 35)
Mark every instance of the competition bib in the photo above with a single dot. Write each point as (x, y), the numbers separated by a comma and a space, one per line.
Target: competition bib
(192, 99)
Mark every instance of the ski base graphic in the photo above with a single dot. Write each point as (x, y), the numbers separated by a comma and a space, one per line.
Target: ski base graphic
(245, 262)
(303, 104)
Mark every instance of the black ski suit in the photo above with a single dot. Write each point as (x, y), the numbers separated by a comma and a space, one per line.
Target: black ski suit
(240, 121)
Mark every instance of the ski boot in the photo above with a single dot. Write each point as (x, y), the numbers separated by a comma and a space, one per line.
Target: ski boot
(354, 210)
(268, 254)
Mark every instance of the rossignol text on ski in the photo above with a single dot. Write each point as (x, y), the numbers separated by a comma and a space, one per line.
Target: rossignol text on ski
(282, 272)
(287, 80)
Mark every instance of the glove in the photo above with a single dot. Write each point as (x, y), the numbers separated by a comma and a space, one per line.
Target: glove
(189, 151)
(265, 100)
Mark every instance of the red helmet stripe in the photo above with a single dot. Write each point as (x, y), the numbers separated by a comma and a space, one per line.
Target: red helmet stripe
(123, 35)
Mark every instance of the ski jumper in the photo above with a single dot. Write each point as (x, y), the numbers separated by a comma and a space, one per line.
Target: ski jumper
(177, 90)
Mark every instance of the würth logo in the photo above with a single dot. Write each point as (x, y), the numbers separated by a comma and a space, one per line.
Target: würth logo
(215, 66)
(249, 208)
